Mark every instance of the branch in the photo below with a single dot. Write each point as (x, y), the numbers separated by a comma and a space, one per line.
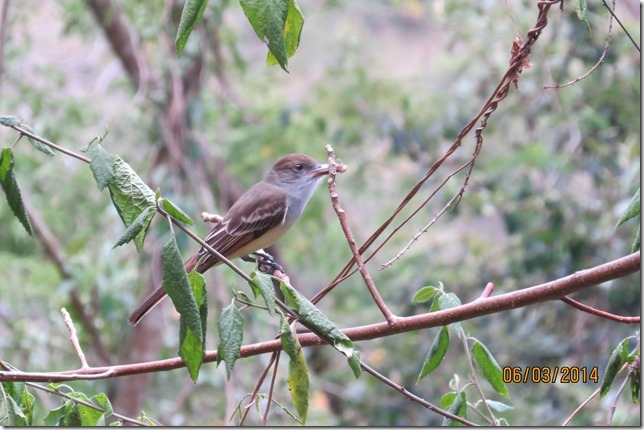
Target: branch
(73, 337)
(585, 308)
(389, 316)
(109, 16)
(553, 290)
(601, 58)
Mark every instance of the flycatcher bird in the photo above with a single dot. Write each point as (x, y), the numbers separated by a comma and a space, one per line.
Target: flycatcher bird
(257, 220)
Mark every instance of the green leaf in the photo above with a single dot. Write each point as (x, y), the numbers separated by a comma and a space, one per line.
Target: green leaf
(263, 284)
(190, 16)
(22, 400)
(582, 12)
(489, 368)
(9, 121)
(177, 285)
(313, 318)
(268, 18)
(141, 222)
(298, 375)
(444, 301)
(191, 349)
(455, 403)
(636, 242)
(499, 406)
(38, 145)
(10, 412)
(175, 211)
(635, 386)
(11, 190)
(632, 210)
(103, 402)
(425, 294)
(615, 363)
(130, 196)
(102, 166)
(436, 353)
(56, 417)
(231, 335)
(354, 363)
(292, 33)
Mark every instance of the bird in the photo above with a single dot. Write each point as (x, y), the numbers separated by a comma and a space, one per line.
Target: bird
(256, 220)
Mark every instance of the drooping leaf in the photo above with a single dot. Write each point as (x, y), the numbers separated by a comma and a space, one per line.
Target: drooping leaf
(177, 285)
(36, 144)
(312, 316)
(615, 363)
(56, 417)
(11, 190)
(268, 19)
(9, 121)
(443, 301)
(102, 166)
(354, 363)
(130, 196)
(10, 412)
(636, 242)
(436, 353)
(263, 285)
(141, 222)
(231, 335)
(582, 12)
(190, 16)
(489, 368)
(191, 349)
(632, 210)
(455, 403)
(635, 386)
(292, 33)
(298, 375)
(175, 211)
(498, 406)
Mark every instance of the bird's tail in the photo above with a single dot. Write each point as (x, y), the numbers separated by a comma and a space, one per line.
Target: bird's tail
(156, 296)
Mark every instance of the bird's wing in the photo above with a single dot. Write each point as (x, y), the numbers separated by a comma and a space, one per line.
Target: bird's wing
(249, 218)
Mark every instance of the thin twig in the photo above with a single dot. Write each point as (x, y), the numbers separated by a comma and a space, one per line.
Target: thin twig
(73, 336)
(599, 62)
(584, 403)
(253, 397)
(613, 405)
(389, 316)
(621, 25)
(582, 307)
(491, 418)
(50, 144)
(412, 396)
(487, 291)
(271, 389)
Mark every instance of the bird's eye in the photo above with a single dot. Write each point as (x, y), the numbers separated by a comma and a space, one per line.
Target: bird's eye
(298, 167)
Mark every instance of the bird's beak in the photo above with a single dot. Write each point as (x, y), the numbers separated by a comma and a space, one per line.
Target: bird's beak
(323, 169)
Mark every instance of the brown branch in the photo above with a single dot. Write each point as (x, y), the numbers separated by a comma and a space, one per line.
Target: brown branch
(73, 337)
(553, 290)
(50, 144)
(109, 15)
(371, 286)
(585, 308)
(599, 62)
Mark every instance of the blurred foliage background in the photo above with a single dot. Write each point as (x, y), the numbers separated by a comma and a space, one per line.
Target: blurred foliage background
(389, 84)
